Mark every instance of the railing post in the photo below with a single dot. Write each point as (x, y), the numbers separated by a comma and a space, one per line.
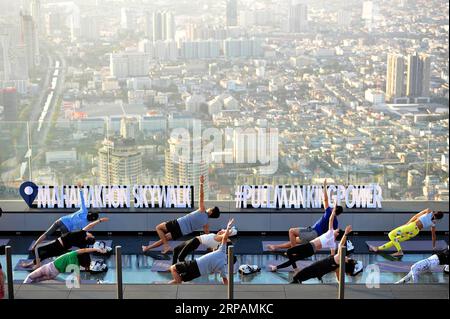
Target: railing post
(119, 284)
(230, 273)
(9, 272)
(342, 254)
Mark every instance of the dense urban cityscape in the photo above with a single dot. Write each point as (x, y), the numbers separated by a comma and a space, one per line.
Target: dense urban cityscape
(356, 92)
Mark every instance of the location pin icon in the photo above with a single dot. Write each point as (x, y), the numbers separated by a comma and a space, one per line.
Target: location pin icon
(28, 191)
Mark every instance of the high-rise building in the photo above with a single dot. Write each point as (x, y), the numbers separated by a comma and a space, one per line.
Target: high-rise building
(35, 10)
(367, 10)
(9, 102)
(129, 127)
(30, 40)
(297, 17)
(163, 26)
(120, 162)
(343, 18)
(128, 64)
(87, 29)
(184, 165)
(148, 25)
(418, 75)
(231, 13)
(128, 19)
(395, 77)
(5, 66)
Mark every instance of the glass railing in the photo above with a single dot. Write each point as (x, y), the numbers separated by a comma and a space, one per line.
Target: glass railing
(408, 159)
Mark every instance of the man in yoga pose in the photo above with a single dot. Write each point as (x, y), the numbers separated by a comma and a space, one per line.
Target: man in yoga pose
(324, 266)
(211, 241)
(79, 238)
(302, 235)
(425, 265)
(68, 223)
(424, 219)
(73, 259)
(185, 225)
(324, 241)
(214, 262)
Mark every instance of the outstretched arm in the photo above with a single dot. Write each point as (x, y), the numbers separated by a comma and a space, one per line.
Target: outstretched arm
(227, 232)
(325, 194)
(90, 250)
(83, 204)
(91, 225)
(348, 229)
(332, 216)
(201, 201)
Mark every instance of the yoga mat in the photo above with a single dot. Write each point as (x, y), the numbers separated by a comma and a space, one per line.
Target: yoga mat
(265, 243)
(412, 245)
(161, 265)
(300, 265)
(4, 241)
(173, 244)
(107, 242)
(18, 266)
(399, 266)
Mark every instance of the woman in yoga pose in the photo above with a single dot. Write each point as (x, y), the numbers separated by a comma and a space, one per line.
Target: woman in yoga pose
(65, 263)
(418, 222)
(324, 266)
(425, 265)
(324, 241)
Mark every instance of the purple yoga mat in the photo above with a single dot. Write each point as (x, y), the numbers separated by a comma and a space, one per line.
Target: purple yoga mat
(161, 265)
(400, 267)
(275, 242)
(18, 266)
(300, 265)
(412, 245)
(107, 242)
(173, 244)
(4, 242)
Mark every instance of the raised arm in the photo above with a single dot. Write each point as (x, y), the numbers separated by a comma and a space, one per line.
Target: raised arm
(325, 195)
(98, 221)
(332, 216)
(227, 232)
(201, 200)
(343, 241)
(83, 204)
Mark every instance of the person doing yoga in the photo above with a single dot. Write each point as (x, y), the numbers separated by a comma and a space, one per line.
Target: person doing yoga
(302, 235)
(211, 241)
(324, 266)
(425, 219)
(425, 265)
(68, 223)
(185, 225)
(211, 263)
(65, 263)
(324, 241)
(79, 238)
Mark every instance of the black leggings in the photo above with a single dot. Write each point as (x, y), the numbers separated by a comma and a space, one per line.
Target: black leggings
(181, 251)
(298, 252)
(50, 249)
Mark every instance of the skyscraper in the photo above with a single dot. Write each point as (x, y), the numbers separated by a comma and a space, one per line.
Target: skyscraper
(157, 26)
(418, 75)
(35, 10)
(120, 162)
(5, 58)
(30, 40)
(128, 19)
(163, 26)
(394, 76)
(186, 170)
(297, 17)
(231, 13)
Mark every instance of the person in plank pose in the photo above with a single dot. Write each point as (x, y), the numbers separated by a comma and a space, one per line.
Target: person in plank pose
(65, 263)
(324, 266)
(78, 238)
(211, 241)
(324, 241)
(184, 225)
(68, 223)
(213, 262)
(302, 235)
(425, 219)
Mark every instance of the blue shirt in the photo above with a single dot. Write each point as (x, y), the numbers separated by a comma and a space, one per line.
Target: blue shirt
(214, 262)
(321, 225)
(192, 221)
(77, 220)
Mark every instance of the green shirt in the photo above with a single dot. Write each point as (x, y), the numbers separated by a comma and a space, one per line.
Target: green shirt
(65, 260)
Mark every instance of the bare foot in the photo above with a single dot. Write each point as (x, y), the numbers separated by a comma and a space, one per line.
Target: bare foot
(273, 268)
(144, 248)
(271, 247)
(166, 250)
(25, 264)
(397, 254)
(373, 249)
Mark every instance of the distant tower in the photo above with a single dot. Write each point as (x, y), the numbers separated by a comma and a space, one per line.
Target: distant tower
(157, 26)
(30, 40)
(231, 13)
(35, 10)
(297, 17)
(4, 53)
(418, 75)
(394, 76)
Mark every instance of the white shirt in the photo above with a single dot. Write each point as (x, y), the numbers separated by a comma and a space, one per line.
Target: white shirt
(327, 240)
(209, 241)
